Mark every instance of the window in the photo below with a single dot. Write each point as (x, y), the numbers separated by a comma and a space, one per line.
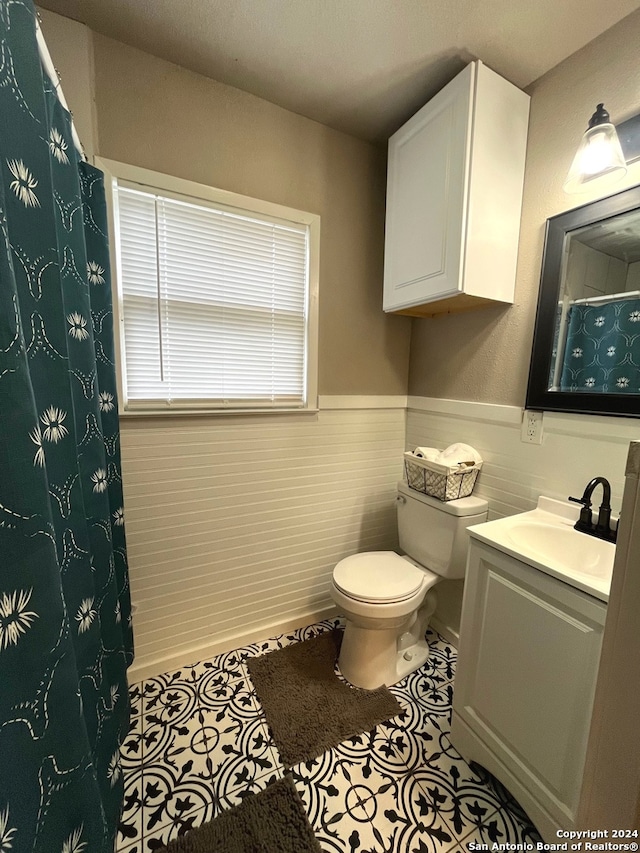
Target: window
(216, 296)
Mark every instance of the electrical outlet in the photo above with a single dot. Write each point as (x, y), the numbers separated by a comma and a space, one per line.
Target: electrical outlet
(531, 427)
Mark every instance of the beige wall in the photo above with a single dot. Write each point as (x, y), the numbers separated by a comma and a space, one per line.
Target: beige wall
(159, 116)
(484, 355)
(242, 544)
(71, 47)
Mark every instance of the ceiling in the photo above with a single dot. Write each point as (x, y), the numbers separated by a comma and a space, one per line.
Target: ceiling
(618, 236)
(361, 66)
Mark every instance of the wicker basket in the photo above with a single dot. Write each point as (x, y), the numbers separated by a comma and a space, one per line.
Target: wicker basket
(445, 482)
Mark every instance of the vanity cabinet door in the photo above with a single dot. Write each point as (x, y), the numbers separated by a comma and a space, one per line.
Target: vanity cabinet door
(454, 197)
(525, 682)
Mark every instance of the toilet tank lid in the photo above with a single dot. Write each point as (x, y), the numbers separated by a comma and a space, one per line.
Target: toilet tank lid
(462, 506)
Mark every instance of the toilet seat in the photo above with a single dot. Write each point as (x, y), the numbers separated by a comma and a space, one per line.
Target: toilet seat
(378, 577)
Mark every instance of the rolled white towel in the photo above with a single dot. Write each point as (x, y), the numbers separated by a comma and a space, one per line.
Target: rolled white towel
(428, 453)
(457, 454)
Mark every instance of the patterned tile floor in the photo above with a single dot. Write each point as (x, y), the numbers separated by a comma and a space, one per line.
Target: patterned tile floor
(199, 743)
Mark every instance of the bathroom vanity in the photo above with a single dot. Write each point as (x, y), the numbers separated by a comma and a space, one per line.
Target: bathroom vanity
(531, 632)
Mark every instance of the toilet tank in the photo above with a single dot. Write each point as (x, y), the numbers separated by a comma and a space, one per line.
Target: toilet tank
(433, 532)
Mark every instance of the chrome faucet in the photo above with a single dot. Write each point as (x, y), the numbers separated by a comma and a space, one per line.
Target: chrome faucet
(602, 529)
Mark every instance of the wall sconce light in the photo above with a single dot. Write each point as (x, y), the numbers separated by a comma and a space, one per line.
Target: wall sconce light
(604, 153)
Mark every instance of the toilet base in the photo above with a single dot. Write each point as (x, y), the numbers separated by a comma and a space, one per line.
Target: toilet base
(373, 660)
(410, 659)
(372, 656)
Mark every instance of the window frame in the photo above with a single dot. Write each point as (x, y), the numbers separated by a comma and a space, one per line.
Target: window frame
(180, 188)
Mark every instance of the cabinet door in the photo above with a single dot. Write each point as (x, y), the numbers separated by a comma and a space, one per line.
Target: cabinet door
(528, 662)
(426, 197)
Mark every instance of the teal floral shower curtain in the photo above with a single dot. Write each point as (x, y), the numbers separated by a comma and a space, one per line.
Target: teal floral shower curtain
(65, 632)
(602, 352)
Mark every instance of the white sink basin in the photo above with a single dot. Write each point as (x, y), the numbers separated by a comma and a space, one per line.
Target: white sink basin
(545, 538)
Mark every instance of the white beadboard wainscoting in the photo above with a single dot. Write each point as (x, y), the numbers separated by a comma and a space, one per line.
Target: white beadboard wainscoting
(574, 449)
(234, 524)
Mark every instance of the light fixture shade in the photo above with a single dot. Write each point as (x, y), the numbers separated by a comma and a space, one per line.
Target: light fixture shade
(599, 160)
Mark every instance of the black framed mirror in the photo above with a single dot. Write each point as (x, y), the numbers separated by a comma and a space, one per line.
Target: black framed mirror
(586, 343)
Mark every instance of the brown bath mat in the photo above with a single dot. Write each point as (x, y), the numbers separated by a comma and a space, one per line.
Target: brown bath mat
(308, 709)
(273, 820)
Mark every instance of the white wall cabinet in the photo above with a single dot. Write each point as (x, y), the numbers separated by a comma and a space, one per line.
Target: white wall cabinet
(525, 682)
(454, 197)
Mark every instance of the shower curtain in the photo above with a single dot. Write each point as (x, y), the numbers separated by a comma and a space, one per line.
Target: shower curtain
(602, 353)
(65, 632)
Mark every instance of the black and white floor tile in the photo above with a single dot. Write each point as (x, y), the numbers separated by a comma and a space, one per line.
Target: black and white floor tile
(199, 743)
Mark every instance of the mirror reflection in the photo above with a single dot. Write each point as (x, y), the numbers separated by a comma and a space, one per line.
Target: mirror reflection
(597, 331)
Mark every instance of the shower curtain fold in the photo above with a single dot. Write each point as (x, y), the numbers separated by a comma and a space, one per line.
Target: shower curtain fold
(65, 631)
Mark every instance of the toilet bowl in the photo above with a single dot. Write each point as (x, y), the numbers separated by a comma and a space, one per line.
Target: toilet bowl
(387, 598)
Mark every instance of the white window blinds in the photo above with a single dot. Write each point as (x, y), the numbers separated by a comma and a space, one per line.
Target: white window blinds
(214, 304)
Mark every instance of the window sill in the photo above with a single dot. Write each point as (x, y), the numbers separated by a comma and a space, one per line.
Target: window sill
(198, 413)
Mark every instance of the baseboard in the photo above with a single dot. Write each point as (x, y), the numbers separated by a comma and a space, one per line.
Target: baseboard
(151, 667)
(446, 631)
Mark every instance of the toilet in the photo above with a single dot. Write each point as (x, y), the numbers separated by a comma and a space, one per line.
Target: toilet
(388, 599)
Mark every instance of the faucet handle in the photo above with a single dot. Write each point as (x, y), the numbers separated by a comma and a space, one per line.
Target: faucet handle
(584, 501)
(586, 519)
